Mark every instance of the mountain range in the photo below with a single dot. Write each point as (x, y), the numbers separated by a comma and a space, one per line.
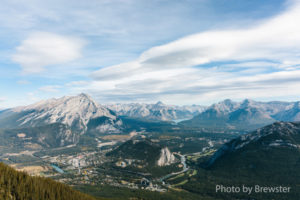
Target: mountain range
(245, 115)
(269, 155)
(157, 111)
(62, 121)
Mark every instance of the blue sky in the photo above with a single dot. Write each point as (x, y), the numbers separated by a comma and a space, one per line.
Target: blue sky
(177, 51)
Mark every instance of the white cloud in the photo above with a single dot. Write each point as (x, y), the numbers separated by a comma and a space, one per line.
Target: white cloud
(50, 88)
(196, 86)
(277, 39)
(42, 49)
(266, 63)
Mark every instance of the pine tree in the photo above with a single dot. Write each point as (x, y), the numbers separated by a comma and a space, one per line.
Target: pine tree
(16, 185)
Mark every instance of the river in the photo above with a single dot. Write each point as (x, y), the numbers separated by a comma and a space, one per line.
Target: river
(56, 168)
(185, 168)
(176, 121)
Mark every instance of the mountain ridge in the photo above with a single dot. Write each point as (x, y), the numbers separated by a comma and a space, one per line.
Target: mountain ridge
(276, 135)
(246, 115)
(157, 111)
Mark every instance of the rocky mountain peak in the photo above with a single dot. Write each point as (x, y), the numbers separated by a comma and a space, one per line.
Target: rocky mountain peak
(84, 95)
(159, 103)
(247, 103)
(69, 110)
(224, 106)
(228, 102)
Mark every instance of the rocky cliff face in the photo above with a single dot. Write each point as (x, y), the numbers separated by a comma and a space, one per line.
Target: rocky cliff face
(166, 157)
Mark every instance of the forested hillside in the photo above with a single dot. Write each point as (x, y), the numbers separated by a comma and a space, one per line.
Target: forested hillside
(16, 185)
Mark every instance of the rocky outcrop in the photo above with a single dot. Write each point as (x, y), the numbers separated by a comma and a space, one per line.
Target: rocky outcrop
(166, 157)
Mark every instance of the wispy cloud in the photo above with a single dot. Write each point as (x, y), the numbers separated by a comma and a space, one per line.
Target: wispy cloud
(274, 39)
(264, 57)
(148, 50)
(42, 49)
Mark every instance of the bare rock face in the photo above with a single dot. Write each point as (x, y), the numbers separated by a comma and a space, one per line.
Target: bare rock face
(166, 157)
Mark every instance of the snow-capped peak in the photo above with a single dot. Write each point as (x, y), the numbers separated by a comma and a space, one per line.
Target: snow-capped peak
(225, 106)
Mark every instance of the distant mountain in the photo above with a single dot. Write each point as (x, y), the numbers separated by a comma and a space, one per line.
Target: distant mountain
(245, 115)
(290, 114)
(158, 111)
(19, 185)
(77, 114)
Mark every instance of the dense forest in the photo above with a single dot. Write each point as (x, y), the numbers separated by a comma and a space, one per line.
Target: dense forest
(16, 185)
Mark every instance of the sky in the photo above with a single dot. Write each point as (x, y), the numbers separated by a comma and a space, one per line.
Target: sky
(177, 51)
